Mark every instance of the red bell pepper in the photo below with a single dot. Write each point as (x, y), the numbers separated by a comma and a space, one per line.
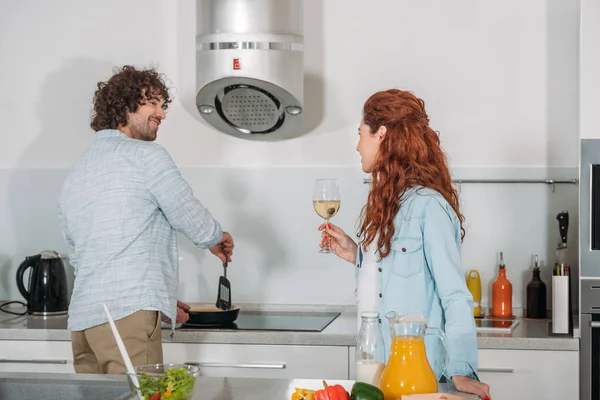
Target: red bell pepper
(335, 392)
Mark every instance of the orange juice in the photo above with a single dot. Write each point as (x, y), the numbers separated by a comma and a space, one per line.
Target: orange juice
(407, 371)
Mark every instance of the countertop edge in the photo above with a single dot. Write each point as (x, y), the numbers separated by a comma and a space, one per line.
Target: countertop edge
(529, 335)
(297, 339)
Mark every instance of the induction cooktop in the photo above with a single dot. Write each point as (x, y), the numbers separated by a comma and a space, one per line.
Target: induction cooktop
(274, 321)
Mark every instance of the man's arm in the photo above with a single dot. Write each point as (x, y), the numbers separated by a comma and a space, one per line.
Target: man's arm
(175, 198)
(65, 233)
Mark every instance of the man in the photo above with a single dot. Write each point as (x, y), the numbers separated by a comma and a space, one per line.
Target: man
(119, 211)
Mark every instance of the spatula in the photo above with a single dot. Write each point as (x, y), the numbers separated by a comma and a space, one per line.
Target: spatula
(224, 296)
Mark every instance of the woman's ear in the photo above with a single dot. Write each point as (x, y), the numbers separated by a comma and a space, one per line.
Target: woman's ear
(381, 132)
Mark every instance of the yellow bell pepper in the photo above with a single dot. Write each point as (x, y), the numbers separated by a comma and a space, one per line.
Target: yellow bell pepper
(303, 394)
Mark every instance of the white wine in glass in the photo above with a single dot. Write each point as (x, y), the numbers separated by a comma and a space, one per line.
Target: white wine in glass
(326, 202)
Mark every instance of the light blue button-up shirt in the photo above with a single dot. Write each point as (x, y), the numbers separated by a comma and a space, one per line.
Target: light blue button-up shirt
(423, 274)
(119, 210)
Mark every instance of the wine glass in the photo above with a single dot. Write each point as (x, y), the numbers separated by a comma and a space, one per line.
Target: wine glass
(326, 202)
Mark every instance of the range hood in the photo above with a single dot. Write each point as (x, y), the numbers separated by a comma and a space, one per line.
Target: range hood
(250, 67)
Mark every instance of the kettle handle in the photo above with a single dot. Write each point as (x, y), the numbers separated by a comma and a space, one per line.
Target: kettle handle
(29, 262)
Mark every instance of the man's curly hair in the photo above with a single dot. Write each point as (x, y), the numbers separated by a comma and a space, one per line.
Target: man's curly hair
(125, 92)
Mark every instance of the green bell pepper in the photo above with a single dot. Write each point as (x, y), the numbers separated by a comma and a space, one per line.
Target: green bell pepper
(364, 391)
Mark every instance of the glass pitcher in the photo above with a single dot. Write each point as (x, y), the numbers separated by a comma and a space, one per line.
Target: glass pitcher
(370, 353)
(408, 370)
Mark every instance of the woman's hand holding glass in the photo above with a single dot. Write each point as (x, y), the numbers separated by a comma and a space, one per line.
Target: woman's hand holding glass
(341, 244)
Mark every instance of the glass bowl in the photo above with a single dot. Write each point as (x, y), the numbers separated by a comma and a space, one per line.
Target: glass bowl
(165, 381)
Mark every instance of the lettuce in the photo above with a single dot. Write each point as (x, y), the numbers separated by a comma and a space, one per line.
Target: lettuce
(174, 384)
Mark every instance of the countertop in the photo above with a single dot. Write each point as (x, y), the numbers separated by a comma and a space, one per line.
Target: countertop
(528, 335)
(91, 387)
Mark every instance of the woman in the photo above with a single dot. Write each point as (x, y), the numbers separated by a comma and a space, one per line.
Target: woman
(411, 233)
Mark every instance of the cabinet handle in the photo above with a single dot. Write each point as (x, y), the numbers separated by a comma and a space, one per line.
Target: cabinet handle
(7, 361)
(595, 324)
(250, 365)
(503, 370)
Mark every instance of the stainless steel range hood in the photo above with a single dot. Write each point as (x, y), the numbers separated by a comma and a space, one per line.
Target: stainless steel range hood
(250, 66)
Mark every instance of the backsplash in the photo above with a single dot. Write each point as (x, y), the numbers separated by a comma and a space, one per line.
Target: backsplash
(269, 213)
(518, 116)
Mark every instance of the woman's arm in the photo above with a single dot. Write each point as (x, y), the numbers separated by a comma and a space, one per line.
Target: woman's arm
(441, 235)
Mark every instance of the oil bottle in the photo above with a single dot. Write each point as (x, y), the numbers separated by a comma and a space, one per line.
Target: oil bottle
(474, 286)
(536, 294)
(502, 293)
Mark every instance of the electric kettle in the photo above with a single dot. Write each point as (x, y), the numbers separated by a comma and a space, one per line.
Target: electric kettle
(46, 292)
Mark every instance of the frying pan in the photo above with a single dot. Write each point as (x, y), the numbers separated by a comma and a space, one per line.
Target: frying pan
(209, 315)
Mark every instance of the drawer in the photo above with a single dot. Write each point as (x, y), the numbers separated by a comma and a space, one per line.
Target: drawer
(36, 356)
(529, 374)
(261, 361)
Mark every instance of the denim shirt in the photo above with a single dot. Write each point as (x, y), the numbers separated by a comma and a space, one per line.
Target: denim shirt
(423, 274)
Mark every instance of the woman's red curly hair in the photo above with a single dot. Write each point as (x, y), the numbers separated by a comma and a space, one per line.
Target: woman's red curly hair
(409, 155)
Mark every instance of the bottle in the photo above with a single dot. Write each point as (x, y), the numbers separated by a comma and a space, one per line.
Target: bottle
(474, 286)
(502, 293)
(370, 356)
(536, 294)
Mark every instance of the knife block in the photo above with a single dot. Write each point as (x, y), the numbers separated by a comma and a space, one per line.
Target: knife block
(562, 308)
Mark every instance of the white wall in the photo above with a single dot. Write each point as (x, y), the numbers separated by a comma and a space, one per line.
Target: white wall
(499, 80)
(589, 67)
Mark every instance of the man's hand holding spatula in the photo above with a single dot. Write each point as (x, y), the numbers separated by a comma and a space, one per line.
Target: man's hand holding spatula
(224, 249)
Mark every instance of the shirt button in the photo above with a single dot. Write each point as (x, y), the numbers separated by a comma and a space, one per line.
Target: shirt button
(380, 270)
(380, 295)
(404, 249)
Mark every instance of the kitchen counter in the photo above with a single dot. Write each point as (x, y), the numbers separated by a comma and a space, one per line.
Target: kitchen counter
(531, 335)
(528, 335)
(92, 387)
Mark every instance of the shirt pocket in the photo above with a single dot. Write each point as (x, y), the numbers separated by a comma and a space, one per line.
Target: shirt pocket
(408, 259)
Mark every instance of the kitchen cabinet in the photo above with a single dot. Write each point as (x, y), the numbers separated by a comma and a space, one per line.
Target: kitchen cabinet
(262, 361)
(511, 374)
(351, 362)
(36, 356)
(523, 374)
(220, 360)
(530, 374)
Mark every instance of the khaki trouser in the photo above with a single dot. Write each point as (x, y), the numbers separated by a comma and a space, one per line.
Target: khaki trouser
(95, 350)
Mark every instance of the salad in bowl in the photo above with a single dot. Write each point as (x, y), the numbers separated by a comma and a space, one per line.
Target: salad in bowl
(165, 381)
